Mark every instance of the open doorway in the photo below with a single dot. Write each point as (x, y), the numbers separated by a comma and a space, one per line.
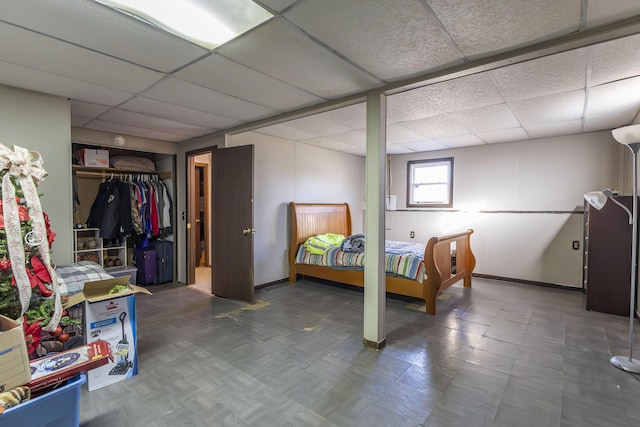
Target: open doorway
(199, 222)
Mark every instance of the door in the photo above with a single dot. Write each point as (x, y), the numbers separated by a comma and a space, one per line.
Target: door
(232, 223)
(202, 215)
(192, 241)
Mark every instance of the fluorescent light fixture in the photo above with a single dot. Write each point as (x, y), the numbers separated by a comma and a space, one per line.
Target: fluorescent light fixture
(206, 23)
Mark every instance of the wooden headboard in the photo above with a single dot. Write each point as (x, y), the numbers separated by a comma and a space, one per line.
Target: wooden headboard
(312, 219)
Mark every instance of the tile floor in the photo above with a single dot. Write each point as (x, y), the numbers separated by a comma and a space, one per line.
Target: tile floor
(501, 354)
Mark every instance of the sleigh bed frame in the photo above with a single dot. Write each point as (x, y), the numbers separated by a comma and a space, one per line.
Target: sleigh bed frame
(313, 219)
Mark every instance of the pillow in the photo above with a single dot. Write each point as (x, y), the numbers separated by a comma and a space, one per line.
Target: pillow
(132, 163)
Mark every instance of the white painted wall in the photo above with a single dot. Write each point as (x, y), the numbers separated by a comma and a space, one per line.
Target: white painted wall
(289, 172)
(42, 123)
(523, 199)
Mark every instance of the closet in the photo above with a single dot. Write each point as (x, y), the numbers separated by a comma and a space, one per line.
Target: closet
(130, 206)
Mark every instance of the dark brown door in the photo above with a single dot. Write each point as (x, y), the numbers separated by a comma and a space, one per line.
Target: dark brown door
(232, 211)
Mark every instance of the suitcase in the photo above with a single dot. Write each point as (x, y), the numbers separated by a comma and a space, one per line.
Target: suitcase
(164, 260)
(146, 264)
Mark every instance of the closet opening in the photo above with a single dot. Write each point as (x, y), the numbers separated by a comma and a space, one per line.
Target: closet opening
(124, 213)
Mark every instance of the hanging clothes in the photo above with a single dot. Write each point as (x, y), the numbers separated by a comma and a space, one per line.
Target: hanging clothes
(105, 212)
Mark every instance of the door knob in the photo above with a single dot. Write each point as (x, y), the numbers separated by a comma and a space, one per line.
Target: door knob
(247, 231)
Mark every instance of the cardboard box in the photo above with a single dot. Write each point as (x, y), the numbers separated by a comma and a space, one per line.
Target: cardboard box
(51, 370)
(94, 158)
(14, 359)
(112, 318)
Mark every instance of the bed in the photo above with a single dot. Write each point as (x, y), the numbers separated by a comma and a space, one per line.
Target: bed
(447, 259)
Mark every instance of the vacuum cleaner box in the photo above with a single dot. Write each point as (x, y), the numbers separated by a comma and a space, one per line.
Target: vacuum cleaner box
(14, 360)
(111, 317)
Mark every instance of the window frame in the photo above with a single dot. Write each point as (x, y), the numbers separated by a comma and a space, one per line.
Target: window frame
(411, 164)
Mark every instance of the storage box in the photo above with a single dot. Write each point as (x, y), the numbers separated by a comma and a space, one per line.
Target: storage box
(48, 371)
(94, 158)
(57, 408)
(14, 359)
(112, 318)
(124, 270)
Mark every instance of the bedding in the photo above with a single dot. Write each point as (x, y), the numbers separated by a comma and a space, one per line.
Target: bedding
(401, 259)
(72, 277)
(446, 259)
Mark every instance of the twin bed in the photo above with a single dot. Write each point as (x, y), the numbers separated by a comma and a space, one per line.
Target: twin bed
(447, 259)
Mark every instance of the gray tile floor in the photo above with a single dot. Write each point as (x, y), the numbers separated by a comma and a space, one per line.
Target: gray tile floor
(500, 354)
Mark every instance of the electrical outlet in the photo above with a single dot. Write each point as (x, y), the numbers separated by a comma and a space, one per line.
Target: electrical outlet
(412, 234)
(575, 245)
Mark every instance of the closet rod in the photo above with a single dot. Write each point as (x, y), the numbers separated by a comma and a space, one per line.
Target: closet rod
(120, 175)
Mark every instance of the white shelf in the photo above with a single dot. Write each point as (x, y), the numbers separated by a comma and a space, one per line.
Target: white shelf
(81, 239)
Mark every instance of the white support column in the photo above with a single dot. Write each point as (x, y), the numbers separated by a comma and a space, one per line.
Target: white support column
(374, 273)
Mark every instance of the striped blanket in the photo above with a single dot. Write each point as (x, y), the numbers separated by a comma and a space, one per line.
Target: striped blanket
(401, 259)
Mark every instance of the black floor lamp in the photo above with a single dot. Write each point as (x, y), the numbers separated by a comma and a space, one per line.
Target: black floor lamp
(629, 136)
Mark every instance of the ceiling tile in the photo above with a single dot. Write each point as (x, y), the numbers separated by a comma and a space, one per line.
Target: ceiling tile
(410, 105)
(41, 81)
(609, 120)
(353, 137)
(460, 141)
(328, 143)
(615, 60)
(479, 27)
(483, 119)
(134, 131)
(557, 73)
(424, 145)
(176, 91)
(436, 127)
(281, 130)
(223, 75)
(353, 116)
(318, 125)
(43, 53)
(79, 121)
(604, 11)
(178, 113)
(400, 149)
(277, 5)
(396, 134)
(614, 97)
(476, 90)
(280, 50)
(86, 109)
(392, 39)
(503, 135)
(554, 129)
(561, 107)
(101, 29)
(146, 121)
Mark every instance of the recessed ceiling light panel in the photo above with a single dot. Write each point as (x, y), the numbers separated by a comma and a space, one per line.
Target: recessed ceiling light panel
(206, 23)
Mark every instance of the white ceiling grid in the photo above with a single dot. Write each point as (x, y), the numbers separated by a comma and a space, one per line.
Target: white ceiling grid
(126, 76)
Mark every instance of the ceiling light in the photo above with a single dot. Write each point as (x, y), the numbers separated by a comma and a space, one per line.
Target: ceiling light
(206, 23)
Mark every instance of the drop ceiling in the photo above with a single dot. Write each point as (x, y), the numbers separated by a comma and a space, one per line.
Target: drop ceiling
(456, 72)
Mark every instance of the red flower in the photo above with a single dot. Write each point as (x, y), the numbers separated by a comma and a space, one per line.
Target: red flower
(5, 264)
(50, 234)
(23, 214)
(31, 335)
(39, 276)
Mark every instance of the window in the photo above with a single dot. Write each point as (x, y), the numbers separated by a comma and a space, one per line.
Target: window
(430, 183)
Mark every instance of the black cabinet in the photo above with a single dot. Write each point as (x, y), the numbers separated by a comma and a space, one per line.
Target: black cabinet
(607, 273)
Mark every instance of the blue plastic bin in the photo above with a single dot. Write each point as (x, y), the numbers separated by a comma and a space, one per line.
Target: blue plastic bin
(57, 408)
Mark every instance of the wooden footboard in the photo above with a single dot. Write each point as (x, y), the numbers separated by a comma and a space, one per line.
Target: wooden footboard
(313, 219)
(438, 261)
